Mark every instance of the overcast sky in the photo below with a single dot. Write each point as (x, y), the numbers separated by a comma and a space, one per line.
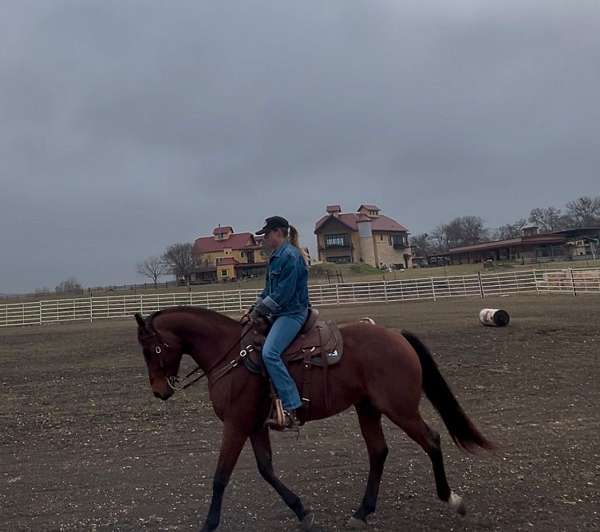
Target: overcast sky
(126, 126)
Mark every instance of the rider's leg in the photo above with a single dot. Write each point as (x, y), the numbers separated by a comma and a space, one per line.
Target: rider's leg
(283, 331)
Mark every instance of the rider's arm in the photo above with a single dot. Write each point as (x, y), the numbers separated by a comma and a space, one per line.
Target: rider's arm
(286, 286)
(263, 294)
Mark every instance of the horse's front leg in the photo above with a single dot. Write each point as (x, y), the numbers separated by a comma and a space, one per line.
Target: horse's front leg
(232, 445)
(261, 444)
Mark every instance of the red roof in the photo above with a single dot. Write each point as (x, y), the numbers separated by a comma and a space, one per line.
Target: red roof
(208, 244)
(513, 242)
(350, 219)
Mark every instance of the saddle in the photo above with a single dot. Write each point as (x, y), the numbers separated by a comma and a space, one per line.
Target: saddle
(319, 343)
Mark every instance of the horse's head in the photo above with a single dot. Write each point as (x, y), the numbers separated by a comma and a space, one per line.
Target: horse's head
(162, 353)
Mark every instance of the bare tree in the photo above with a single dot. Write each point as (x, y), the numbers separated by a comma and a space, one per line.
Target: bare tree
(153, 267)
(508, 231)
(473, 230)
(180, 261)
(584, 211)
(548, 219)
(461, 231)
(440, 238)
(69, 286)
(422, 245)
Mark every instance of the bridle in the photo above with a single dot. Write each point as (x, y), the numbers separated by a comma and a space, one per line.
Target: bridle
(177, 384)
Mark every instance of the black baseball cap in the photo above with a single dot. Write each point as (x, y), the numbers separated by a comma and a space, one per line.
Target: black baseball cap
(274, 222)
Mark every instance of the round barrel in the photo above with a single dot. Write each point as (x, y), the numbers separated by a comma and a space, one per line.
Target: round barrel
(494, 317)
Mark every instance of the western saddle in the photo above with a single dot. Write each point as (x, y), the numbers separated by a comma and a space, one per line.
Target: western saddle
(319, 343)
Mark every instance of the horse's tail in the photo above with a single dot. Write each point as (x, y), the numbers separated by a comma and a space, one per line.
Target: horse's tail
(461, 428)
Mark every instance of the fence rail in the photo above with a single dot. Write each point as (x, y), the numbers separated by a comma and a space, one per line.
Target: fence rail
(569, 281)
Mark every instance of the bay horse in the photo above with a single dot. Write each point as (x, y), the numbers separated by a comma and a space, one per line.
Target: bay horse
(382, 372)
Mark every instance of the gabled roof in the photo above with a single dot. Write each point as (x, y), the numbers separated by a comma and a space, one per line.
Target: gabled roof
(350, 219)
(369, 207)
(208, 244)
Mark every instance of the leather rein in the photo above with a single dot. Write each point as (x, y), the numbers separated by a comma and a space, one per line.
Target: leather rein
(177, 384)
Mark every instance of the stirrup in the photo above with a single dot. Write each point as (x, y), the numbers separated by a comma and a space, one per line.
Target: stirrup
(281, 419)
(276, 419)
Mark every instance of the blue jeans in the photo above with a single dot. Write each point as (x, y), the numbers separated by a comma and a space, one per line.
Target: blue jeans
(283, 331)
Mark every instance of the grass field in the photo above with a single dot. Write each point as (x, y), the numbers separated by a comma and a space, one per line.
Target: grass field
(85, 446)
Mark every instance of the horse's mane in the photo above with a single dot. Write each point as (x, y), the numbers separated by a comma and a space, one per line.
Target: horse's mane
(202, 311)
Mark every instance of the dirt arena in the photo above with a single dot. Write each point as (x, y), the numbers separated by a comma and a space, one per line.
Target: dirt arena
(85, 446)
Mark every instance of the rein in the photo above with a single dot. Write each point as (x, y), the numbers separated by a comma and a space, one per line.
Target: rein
(177, 384)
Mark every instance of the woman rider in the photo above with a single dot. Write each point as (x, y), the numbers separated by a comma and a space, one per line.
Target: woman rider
(285, 301)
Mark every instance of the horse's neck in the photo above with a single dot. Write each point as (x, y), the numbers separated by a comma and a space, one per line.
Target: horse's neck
(207, 336)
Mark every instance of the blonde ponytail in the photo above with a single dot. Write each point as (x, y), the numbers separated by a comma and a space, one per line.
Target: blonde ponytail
(294, 241)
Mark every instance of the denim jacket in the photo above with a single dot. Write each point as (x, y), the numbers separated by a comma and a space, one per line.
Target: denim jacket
(286, 287)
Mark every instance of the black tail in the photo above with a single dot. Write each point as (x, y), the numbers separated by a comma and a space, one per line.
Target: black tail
(461, 428)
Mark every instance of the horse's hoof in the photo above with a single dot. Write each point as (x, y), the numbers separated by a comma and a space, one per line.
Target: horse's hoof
(456, 502)
(308, 522)
(356, 524)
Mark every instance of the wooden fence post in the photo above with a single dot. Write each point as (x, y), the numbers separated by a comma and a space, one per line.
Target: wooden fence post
(480, 285)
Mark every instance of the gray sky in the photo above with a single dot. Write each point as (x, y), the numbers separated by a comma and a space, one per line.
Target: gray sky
(126, 126)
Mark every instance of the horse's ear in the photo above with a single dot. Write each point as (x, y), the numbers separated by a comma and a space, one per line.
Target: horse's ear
(140, 320)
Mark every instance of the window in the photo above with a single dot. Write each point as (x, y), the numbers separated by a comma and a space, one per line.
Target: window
(336, 241)
(400, 241)
(223, 273)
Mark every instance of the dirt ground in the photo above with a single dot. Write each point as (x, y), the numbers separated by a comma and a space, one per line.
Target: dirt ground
(85, 446)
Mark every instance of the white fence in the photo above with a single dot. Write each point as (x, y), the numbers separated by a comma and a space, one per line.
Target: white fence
(571, 281)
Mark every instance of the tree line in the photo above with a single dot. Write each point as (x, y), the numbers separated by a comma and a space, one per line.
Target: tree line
(468, 230)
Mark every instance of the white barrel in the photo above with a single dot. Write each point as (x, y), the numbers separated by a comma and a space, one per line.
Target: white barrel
(494, 317)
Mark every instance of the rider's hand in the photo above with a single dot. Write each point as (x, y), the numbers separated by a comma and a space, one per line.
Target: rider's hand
(259, 312)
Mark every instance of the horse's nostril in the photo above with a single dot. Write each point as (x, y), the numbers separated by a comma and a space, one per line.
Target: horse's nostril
(156, 394)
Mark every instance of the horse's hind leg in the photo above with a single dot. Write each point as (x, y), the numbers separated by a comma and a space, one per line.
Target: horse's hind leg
(370, 425)
(430, 441)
